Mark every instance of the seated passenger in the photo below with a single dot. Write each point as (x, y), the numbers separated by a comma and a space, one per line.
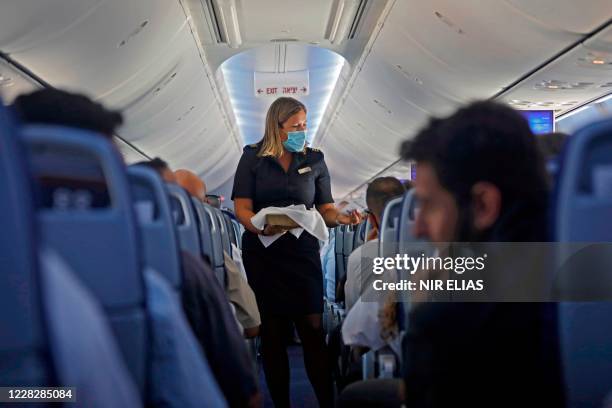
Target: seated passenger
(238, 290)
(214, 200)
(551, 145)
(359, 265)
(336, 285)
(480, 179)
(179, 373)
(362, 328)
(194, 185)
(211, 318)
(328, 261)
(161, 167)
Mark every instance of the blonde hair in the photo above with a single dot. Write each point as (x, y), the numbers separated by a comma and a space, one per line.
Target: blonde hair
(278, 113)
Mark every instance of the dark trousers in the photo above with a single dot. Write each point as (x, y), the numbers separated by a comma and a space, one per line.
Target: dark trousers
(274, 331)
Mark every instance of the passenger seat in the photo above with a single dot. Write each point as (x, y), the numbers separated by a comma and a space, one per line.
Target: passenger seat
(157, 230)
(88, 223)
(583, 214)
(91, 223)
(50, 323)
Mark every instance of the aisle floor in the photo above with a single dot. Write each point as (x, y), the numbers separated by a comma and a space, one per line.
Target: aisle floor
(302, 394)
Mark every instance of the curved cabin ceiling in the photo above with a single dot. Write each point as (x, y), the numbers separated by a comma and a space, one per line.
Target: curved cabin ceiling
(429, 57)
(138, 56)
(185, 82)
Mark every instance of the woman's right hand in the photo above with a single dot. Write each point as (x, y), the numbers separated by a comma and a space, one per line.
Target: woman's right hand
(274, 229)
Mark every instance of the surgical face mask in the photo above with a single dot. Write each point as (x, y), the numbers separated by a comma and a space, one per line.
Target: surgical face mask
(295, 141)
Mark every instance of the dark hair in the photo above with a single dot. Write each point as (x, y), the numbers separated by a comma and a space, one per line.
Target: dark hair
(380, 191)
(58, 107)
(483, 141)
(551, 144)
(214, 200)
(408, 184)
(491, 142)
(156, 164)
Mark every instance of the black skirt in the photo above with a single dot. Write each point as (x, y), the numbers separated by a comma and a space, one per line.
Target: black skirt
(286, 277)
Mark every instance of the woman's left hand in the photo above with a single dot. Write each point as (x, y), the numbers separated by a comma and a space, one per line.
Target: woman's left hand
(352, 218)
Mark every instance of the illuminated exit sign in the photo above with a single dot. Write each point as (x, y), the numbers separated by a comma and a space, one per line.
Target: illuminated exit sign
(294, 83)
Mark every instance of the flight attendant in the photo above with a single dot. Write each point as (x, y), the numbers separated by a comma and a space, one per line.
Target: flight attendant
(287, 276)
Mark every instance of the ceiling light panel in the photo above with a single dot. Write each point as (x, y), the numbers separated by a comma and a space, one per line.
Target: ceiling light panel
(290, 19)
(13, 83)
(571, 80)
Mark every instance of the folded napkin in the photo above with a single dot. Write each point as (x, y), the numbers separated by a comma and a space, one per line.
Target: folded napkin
(309, 220)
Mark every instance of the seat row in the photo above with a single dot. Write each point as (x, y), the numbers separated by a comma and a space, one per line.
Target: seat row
(347, 239)
(67, 192)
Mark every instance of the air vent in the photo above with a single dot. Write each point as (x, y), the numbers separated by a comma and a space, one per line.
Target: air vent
(522, 104)
(448, 22)
(553, 85)
(223, 18)
(595, 61)
(345, 21)
(184, 115)
(282, 40)
(518, 102)
(216, 27)
(133, 34)
(357, 19)
(6, 81)
(383, 106)
(408, 74)
(164, 83)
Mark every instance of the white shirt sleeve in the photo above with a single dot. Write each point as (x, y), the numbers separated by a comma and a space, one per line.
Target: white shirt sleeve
(361, 327)
(352, 285)
(359, 275)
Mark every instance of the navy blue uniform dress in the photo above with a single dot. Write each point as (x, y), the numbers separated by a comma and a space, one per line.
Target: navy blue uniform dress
(286, 276)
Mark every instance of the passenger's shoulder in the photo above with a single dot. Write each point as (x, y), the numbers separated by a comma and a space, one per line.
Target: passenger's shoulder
(369, 249)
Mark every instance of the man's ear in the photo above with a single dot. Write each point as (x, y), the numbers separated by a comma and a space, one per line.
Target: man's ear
(486, 205)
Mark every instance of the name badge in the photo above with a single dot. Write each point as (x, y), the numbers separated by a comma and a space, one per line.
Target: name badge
(304, 170)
